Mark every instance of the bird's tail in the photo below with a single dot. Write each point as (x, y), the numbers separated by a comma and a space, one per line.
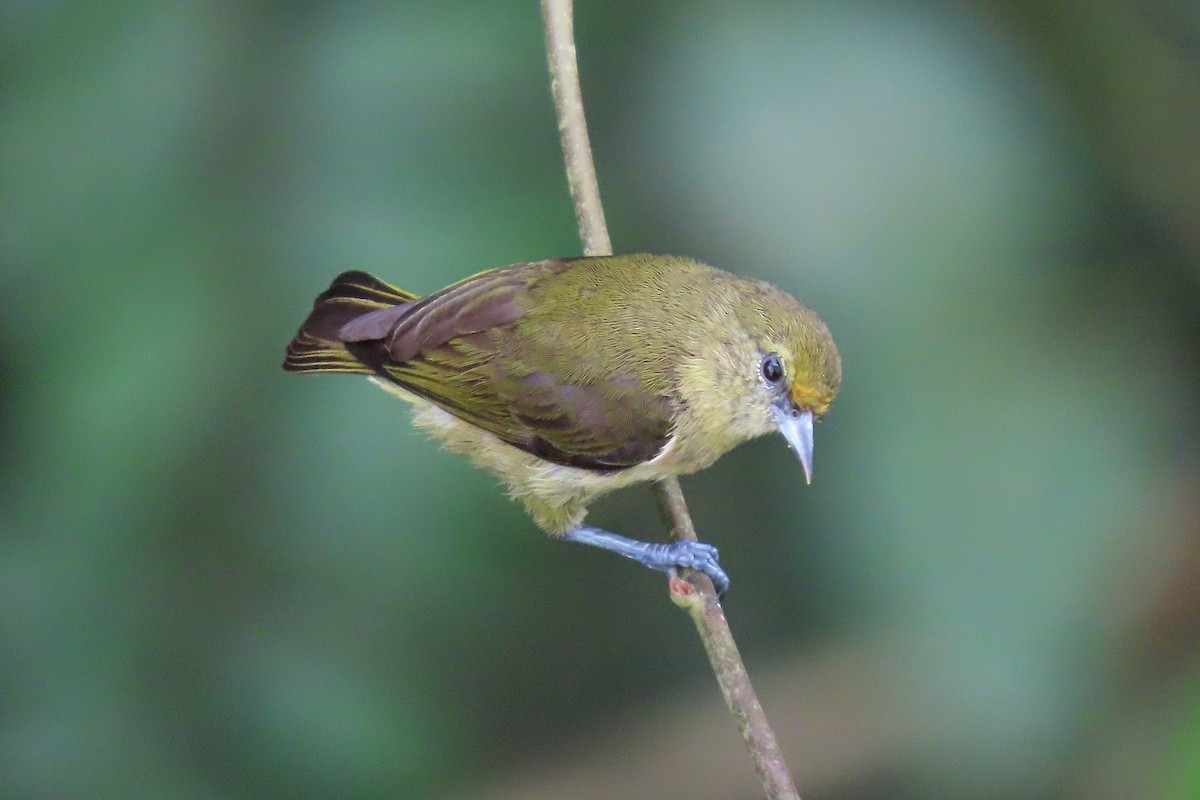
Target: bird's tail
(317, 346)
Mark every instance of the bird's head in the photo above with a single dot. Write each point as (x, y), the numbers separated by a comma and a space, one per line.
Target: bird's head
(790, 368)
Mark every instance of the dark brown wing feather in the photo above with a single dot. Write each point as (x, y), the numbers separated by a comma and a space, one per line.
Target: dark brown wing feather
(478, 303)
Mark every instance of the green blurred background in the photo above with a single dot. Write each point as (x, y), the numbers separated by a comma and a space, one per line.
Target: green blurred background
(218, 580)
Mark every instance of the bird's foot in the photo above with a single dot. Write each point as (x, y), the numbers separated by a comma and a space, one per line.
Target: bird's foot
(661, 557)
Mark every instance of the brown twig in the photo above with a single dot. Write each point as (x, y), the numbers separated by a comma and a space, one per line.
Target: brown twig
(572, 127)
(696, 594)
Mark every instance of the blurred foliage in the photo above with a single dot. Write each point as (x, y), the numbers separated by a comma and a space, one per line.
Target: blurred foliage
(218, 580)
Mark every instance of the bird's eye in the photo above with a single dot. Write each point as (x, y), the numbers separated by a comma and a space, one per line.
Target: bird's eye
(772, 368)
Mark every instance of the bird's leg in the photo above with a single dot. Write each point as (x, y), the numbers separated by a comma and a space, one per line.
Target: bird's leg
(662, 557)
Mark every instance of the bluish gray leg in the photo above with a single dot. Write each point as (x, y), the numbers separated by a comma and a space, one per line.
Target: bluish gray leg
(662, 557)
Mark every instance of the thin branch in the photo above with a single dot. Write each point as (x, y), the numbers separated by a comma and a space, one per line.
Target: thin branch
(696, 594)
(572, 127)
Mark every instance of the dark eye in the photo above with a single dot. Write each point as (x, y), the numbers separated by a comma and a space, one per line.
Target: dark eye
(772, 368)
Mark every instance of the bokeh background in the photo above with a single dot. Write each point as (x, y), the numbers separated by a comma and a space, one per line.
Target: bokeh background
(218, 580)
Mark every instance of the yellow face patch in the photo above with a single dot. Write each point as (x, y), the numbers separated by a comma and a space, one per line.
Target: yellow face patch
(811, 396)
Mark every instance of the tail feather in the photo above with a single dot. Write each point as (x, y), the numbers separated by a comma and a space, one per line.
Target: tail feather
(317, 346)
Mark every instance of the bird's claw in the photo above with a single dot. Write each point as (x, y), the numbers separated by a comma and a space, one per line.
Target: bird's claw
(694, 555)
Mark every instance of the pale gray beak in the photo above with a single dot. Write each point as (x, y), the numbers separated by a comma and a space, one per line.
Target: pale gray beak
(797, 427)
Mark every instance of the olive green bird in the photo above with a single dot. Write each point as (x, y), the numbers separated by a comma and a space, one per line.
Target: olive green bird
(570, 378)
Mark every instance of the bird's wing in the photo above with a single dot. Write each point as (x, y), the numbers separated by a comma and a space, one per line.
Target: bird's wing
(470, 350)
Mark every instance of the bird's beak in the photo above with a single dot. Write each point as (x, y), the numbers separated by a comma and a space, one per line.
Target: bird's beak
(797, 427)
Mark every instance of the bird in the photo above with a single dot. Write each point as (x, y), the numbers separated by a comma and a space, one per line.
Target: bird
(570, 378)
